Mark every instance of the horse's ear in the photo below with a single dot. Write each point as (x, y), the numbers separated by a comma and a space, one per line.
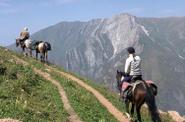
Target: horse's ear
(117, 71)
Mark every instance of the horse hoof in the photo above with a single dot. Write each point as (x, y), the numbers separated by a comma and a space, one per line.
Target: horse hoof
(128, 115)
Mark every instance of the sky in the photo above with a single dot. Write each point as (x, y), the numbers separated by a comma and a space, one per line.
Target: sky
(39, 14)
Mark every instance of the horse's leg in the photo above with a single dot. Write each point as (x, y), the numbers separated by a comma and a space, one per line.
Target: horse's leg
(120, 97)
(41, 57)
(132, 110)
(138, 107)
(36, 55)
(26, 52)
(30, 52)
(46, 55)
(139, 101)
(127, 108)
(23, 50)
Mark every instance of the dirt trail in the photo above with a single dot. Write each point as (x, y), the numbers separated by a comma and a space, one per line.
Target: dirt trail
(9, 120)
(106, 103)
(73, 116)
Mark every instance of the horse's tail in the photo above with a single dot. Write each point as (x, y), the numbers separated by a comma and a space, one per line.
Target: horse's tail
(152, 107)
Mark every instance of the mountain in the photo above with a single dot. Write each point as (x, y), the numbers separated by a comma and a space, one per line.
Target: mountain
(97, 48)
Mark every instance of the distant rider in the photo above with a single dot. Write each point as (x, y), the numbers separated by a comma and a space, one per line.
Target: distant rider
(24, 34)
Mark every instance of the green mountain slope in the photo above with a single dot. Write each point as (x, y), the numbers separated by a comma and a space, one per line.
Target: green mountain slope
(28, 97)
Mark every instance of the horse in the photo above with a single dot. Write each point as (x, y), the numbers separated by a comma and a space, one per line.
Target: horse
(42, 48)
(140, 93)
(26, 45)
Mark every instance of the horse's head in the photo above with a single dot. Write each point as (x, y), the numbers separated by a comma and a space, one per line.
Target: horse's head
(119, 77)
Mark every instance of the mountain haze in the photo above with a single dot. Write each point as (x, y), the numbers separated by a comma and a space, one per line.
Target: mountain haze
(97, 48)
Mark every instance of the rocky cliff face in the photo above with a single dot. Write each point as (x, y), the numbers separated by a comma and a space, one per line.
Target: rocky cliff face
(103, 40)
(97, 48)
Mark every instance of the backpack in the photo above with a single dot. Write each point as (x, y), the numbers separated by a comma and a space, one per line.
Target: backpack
(48, 45)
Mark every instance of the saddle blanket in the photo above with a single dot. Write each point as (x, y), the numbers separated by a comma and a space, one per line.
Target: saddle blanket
(125, 85)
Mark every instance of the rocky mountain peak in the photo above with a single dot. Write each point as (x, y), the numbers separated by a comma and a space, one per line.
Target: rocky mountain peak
(96, 49)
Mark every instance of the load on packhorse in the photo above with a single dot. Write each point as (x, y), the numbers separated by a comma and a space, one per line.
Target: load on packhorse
(28, 45)
(42, 48)
(133, 89)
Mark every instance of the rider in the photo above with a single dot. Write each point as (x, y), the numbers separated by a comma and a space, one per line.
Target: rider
(24, 34)
(132, 68)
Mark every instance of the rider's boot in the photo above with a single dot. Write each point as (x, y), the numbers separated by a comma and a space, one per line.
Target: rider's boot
(124, 95)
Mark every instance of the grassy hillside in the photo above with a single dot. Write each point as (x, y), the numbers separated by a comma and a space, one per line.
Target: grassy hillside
(74, 91)
(26, 96)
(114, 98)
(37, 100)
(84, 103)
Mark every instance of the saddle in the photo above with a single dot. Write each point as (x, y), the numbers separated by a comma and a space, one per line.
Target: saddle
(131, 82)
(130, 87)
(135, 78)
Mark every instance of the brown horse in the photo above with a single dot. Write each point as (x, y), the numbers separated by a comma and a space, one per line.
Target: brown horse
(139, 94)
(25, 45)
(42, 48)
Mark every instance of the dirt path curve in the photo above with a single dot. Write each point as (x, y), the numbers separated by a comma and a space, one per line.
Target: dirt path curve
(73, 116)
(9, 120)
(106, 103)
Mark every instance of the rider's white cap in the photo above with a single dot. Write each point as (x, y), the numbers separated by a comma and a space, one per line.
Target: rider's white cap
(25, 29)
